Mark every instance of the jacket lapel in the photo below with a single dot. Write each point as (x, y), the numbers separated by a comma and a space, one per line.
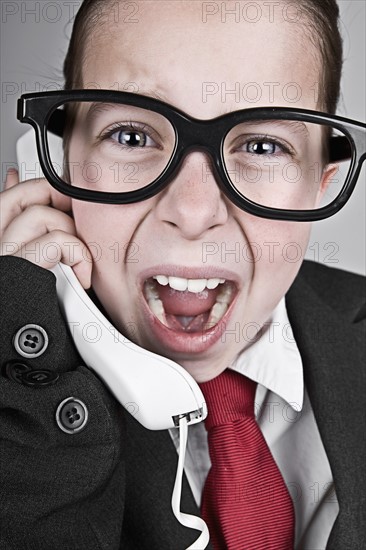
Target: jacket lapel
(332, 347)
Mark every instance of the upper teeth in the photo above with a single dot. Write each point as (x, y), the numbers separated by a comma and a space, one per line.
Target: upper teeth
(193, 285)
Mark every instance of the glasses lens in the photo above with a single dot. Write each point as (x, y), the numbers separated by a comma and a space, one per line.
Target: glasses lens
(110, 147)
(287, 164)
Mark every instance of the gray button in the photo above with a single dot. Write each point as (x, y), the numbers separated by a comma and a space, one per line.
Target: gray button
(71, 415)
(31, 341)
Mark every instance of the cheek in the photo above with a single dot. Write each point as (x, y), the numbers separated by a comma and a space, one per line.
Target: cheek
(94, 227)
(278, 250)
(277, 247)
(106, 229)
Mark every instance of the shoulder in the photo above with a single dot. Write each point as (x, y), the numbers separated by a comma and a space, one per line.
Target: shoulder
(327, 311)
(330, 279)
(340, 290)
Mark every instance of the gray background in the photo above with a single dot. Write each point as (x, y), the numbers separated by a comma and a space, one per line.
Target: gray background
(34, 37)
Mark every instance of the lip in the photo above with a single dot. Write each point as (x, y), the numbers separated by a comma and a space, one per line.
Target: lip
(183, 342)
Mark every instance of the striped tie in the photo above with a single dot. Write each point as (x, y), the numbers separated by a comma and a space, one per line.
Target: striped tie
(245, 501)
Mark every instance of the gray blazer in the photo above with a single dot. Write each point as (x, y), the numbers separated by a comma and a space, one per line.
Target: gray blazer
(108, 487)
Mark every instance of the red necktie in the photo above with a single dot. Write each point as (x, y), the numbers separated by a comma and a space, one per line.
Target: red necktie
(245, 501)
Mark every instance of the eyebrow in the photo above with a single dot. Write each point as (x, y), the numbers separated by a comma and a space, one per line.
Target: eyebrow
(296, 126)
(154, 94)
(100, 106)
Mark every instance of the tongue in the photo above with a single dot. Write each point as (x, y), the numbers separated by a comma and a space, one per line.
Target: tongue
(187, 303)
(197, 323)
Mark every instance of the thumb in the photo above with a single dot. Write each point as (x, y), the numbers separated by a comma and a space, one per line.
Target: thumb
(12, 178)
(83, 268)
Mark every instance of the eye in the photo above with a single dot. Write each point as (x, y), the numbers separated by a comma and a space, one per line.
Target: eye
(261, 147)
(132, 138)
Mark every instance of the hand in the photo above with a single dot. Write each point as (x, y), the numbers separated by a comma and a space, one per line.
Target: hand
(36, 225)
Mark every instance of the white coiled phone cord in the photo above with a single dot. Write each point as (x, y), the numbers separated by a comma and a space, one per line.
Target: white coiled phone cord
(187, 520)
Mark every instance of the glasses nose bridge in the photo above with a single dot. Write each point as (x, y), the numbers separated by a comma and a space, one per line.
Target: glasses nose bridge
(200, 136)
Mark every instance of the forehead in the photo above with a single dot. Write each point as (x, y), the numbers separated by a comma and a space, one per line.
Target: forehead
(203, 57)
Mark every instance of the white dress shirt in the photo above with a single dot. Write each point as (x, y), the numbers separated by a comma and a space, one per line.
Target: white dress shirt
(284, 414)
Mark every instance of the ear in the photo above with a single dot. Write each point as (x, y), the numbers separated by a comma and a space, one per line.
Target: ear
(328, 174)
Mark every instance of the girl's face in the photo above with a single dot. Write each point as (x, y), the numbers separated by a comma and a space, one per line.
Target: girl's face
(207, 62)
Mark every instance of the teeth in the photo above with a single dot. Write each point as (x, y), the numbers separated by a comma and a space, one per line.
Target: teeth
(151, 292)
(213, 283)
(225, 294)
(157, 308)
(178, 283)
(193, 285)
(221, 305)
(196, 285)
(162, 280)
(217, 312)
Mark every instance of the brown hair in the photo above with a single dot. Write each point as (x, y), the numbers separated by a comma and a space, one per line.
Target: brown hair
(322, 17)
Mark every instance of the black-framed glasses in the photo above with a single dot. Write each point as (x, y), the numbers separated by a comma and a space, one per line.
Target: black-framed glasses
(120, 148)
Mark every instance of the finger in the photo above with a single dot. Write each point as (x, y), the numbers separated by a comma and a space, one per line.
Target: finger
(31, 224)
(58, 246)
(12, 178)
(19, 197)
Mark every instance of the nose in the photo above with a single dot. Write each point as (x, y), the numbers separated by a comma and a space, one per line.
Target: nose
(193, 203)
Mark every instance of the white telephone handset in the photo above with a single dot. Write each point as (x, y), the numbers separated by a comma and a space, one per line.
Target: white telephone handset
(158, 392)
(154, 389)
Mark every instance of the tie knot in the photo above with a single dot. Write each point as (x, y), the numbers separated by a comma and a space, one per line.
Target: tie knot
(229, 397)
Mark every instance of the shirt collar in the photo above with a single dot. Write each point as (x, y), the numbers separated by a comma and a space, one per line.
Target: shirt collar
(274, 361)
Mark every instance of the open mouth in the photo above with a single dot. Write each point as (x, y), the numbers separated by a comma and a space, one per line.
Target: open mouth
(189, 305)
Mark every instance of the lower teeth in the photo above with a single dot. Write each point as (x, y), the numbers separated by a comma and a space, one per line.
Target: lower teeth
(209, 319)
(217, 312)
